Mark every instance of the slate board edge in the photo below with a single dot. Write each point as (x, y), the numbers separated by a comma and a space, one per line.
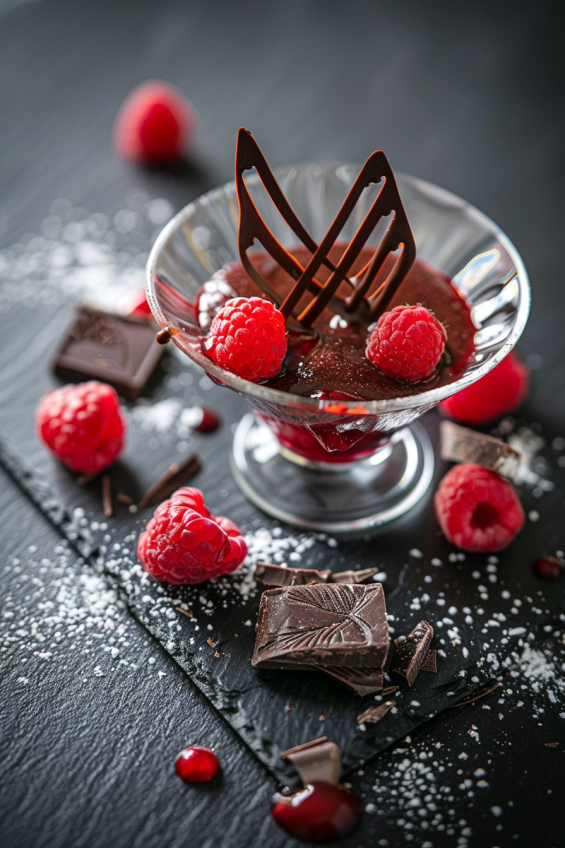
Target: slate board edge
(42, 496)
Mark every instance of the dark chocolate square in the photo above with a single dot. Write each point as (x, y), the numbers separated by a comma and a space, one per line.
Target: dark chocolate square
(115, 349)
(322, 625)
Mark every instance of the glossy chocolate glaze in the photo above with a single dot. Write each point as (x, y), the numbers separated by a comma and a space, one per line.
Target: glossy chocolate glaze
(331, 361)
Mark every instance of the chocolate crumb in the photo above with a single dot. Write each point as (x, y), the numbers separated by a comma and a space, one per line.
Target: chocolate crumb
(375, 714)
(107, 496)
(388, 690)
(123, 498)
(210, 642)
(551, 744)
(411, 651)
(163, 337)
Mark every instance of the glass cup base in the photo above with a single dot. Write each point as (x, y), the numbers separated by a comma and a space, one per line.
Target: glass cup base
(326, 497)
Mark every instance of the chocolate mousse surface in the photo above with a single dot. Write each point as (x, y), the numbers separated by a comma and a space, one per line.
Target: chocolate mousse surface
(331, 358)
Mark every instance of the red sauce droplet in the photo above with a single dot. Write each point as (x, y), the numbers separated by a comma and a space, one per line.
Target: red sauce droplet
(550, 568)
(210, 421)
(319, 812)
(196, 764)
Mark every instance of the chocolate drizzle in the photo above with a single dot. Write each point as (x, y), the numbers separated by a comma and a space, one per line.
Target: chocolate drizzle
(398, 237)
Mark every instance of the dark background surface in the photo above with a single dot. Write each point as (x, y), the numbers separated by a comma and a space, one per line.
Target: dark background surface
(469, 100)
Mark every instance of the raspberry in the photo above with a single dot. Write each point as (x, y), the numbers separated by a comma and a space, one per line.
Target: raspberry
(196, 764)
(183, 543)
(498, 392)
(248, 338)
(155, 125)
(406, 344)
(477, 510)
(550, 567)
(82, 425)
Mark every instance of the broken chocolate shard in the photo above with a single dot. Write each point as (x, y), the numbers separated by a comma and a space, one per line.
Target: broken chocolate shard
(375, 714)
(460, 444)
(362, 681)
(173, 478)
(318, 760)
(322, 625)
(411, 652)
(280, 576)
(353, 576)
(116, 349)
(398, 241)
(430, 662)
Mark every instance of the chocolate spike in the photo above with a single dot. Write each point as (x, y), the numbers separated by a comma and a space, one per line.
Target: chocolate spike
(397, 237)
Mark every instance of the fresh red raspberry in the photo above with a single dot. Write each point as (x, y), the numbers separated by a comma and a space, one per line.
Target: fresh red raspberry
(183, 543)
(248, 338)
(498, 392)
(138, 306)
(477, 510)
(82, 425)
(156, 125)
(196, 764)
(406, 344)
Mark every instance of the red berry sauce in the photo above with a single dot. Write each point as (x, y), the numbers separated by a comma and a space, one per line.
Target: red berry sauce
(196, 764)
(319, 812)
(550, 568)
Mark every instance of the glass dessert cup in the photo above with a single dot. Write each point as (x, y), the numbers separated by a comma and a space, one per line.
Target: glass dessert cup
(339, 465)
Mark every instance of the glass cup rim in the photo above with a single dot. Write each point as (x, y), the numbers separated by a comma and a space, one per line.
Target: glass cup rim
(430, 397)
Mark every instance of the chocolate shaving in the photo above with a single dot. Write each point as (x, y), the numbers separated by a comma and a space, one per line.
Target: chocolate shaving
(172, 479)
(107, 496)
(459, 444)
(485, 690)
(375, 714)
(319, 760)
(123, 498)
(411, 652)
(388, 690)
(277, 575)
(430, 662)
(551, 744)
(185, 612)
(398, 237)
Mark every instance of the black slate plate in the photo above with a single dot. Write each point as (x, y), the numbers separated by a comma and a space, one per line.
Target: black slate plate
(469, 591)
